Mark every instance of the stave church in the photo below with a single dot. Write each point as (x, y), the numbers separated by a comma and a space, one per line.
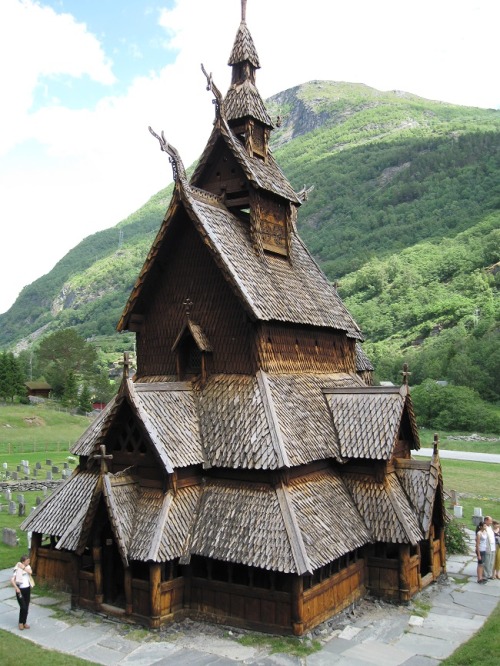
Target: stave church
(248, 473)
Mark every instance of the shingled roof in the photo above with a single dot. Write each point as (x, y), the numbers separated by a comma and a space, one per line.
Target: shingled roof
(367, 419)
(420, 480)
(385, 508)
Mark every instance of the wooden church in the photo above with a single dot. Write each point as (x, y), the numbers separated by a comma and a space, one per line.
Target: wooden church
(248, 473)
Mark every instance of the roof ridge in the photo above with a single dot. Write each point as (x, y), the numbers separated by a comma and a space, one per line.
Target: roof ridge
(153, 433)
(295, 539)
(113, 512)
(159, 527)
(272, 419)
(397, 509)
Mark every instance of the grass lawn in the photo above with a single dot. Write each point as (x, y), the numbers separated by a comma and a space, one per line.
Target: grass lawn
(15, 650)
(448, 443)
(40, 428)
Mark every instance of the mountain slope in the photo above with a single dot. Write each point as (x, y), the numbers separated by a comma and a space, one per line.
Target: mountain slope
(398, 182)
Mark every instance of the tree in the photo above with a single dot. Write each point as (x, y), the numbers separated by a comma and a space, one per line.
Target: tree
(85, 399)
(64, 352)
(70, 392)
(11, 377)
(104, 390)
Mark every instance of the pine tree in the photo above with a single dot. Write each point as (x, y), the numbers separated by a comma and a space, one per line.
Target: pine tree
(85, 399)
(70, 392)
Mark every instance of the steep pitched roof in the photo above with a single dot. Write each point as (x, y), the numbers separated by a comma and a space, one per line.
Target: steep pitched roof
(263, 175)
(243, 47)
(363, 363)
(328, 519)
(268, 421)
(244, 100)
(420, 480)
(269, 287)
(367, 420)
(62, 514)
(168, 413)
(385, 508)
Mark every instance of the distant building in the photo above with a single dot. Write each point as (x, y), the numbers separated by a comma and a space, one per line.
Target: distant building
(38, 389)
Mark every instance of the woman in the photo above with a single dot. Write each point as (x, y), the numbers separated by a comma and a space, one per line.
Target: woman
(496, 531)
(481, 543)
(21, 582)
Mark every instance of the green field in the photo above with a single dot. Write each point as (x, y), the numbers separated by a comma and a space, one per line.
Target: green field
(26, 429)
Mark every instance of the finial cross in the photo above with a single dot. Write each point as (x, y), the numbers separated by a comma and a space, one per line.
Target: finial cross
(126, 365)
(187, 303)
(103, 456)
(405, 373)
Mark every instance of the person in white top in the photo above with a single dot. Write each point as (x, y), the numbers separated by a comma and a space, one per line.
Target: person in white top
(489, 556)
(21, 583)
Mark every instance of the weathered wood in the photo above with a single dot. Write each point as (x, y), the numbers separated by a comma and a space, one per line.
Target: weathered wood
(36, 542)
(155, 592)
(128, 591)
(98, 580)
(298, 605)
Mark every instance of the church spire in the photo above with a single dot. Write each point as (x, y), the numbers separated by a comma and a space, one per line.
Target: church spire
(243, 105)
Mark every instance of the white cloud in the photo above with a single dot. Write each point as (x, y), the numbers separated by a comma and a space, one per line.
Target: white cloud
(65, 173)
(35, 43)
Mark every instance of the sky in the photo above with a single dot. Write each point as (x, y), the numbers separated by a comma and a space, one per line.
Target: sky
(81, 80)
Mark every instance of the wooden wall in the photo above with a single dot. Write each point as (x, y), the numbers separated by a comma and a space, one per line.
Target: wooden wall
(187, 270)
(395, 578)
(56, 567)
(334, 594)
(296, 349)
(257, 608)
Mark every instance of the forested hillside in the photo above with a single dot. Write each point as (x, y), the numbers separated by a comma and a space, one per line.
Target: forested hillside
(405, 215)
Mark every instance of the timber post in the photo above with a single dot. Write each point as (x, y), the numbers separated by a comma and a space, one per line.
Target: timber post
(128, 591)
(36, 542)
(155, 589)
(298, 605)
(442, 547)
(97, 555)
(75, 580)
(404, 570)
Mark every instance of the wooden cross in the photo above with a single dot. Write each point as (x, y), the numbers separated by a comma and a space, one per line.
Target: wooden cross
(103, 457)
(405, 373)
(436, 443)
(126, 365)
(188, 304)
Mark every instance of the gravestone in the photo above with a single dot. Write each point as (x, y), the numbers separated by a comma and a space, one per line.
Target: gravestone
(48, 476)
(12, 508)
(14, 476)
(38, 465)
(20, 498)
(48, 463)
(18, 468)
(65, 465)
(44, 491)
(9, 537)
(8, 494)
(55, 470)
(4, 465)
(35, 472)
(22, 509)
(38, 501)
(66, 473)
